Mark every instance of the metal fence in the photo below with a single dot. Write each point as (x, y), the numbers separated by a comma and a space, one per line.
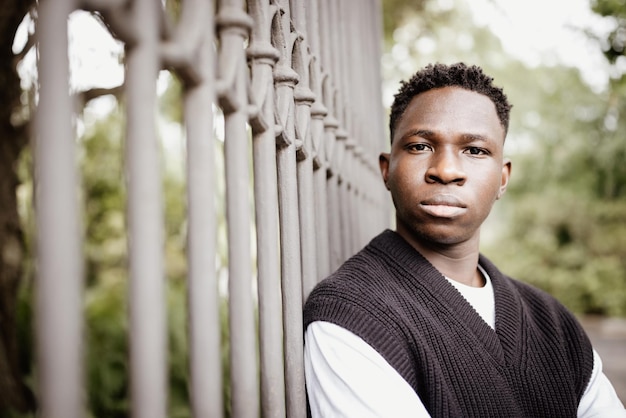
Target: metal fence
(299, 85)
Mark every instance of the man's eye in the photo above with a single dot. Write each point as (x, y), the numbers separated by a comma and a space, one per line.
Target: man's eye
(476, 151)
(418, 147)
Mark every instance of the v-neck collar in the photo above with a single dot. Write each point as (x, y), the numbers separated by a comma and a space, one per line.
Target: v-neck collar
(503, 342)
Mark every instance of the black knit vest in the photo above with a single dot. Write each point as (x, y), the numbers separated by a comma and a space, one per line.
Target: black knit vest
(536, 363)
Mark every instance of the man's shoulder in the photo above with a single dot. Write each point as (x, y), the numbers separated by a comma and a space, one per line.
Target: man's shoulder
(356, 274)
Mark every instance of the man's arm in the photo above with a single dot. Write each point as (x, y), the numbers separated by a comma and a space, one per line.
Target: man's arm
(346, 377)
(600, 399)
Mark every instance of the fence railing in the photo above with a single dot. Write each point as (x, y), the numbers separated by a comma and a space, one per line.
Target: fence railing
(299, 85)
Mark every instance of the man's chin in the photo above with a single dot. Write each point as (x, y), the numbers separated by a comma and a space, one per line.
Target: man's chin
(435, 237)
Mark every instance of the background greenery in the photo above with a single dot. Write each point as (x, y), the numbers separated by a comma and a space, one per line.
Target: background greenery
(562, 223)
(561, 226)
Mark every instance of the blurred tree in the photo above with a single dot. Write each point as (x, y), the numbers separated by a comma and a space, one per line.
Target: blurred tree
(397, 12)
(614, 46)
(612, 181)
(565, 224)
(13, 138)
(567, 229)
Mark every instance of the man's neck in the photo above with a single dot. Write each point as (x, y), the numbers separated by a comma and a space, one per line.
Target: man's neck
(458, 262)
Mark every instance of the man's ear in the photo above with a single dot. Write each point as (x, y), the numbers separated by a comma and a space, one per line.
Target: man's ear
(383, 162)
(506, 175)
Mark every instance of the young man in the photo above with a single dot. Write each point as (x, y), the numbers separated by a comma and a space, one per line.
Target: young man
(418, 323)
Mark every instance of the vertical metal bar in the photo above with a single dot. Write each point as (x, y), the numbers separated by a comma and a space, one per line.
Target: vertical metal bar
(270, 312)
(332, 189)
(307, 221)
(292, 287)
(297, 10)
(59, 265)
(233, 25)
(377, 36)
(262, 56)
(372, 38)
(346, 53)
(331, 124)
(243, 344)
(311, 14)
(321, 209)
(369, 147)
(382, 197)
(370, 150)
(341, 134)
(334, 26)
(344, 199)
(145, 218)
(304, 98)
(379, 195)
(204, 303)
(325, 28)
(318, 112)
(285, 79)
(357, 134)
(357, 122)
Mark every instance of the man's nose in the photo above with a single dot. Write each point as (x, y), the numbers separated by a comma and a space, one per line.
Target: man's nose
(445, 167)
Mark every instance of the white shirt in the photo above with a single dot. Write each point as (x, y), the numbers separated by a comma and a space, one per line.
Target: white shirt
(346, 377)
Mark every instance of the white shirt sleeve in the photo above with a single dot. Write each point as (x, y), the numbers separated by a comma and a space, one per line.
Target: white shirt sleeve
(346, 377)
(600, 399)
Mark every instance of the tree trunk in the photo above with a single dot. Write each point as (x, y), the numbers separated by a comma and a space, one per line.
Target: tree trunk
(14, 394)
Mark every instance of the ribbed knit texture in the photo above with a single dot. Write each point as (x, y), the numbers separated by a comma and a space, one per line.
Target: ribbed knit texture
(536, 363)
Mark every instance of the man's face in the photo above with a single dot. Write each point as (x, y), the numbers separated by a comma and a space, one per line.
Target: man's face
(446, 168)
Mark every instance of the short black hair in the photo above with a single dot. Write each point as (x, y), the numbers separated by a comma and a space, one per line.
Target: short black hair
(440, 75)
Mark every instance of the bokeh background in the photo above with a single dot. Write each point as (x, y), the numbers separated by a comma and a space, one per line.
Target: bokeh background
(561, 225)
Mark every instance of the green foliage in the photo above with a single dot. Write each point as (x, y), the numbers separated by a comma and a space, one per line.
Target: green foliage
(615, 44)
(567, 200)
(398, 12)
(571, 247)
(107, 349)
(104, 197)
(169, 102)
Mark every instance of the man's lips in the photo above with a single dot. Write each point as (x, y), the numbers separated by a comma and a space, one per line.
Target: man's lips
(443, 206)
